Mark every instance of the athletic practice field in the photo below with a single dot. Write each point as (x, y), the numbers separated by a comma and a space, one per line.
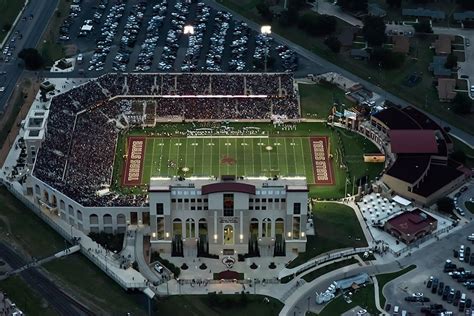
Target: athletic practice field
(215, 156)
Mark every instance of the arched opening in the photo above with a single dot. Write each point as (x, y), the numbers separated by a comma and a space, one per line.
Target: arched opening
(55, 201)
(177, 228)
(71, 210)
(62, 205)
(93, 219)
(190, 228)
(202, 227)
(253, 228)
(203, 241)
(46, 196)
(279, 227)
(37, 190)
(79, 215)
(266, 227)
(107, 219)
(121, 220)
(228, 235)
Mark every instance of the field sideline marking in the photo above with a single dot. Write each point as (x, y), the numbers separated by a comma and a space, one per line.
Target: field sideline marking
(294, 156)
(302, 156)
(152, 157)
(226, 137)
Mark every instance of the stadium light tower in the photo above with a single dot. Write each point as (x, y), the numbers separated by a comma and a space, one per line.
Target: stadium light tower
(266, 30)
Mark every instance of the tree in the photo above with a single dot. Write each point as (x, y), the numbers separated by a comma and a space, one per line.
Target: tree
(445, 204)
(32, 58)
(353, 5)
(374, 30)
(451, 61)
(459, 156)
(6, 27)
(394, 3)
(296, 4)
(317, 25)
(264, 10)
(386, 59)
(289, 17)
(423, 26)
(466, 4)
(333, 43)
(462, 104)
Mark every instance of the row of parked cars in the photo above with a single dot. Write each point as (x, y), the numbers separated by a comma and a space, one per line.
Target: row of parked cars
(106, 36)
(147, 49)
(195, 42)
(178, 20)
(217, 41)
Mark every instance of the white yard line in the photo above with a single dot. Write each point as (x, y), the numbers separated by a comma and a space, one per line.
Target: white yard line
(302, 156)
(152, 157)
(294, 155)
(286, 155)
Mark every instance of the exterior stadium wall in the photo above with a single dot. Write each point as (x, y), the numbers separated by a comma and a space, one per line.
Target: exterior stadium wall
(87, 219)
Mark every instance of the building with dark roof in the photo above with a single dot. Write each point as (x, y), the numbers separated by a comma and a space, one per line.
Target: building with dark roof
(424, 13)
(410, 226)
(463, 16)
(420, 170)
(437, 66)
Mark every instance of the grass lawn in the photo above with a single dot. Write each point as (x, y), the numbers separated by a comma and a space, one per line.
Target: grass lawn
(9, 10)
(423, 95)
(385, 278)
(458, 145)
(317, 100)
(326, 269)
(25, 298)
(229, 305)
(470, 206)
(364, 298)
(48, 46)
(75, 271)
(96, 286)
(336, 226)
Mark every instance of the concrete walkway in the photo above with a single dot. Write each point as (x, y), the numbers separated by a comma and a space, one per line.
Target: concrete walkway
(377, 296)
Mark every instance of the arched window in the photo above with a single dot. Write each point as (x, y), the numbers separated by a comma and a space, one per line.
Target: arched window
(202, 227)
(93, 219)
(79, 215)
(253, 228)
(177, 227)
(121, 219)
(279, 227)
(266, 227)
(107, 219)
(71, 210)
(190, 228)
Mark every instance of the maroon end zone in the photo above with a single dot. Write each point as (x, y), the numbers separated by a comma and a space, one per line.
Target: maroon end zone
(134, 163)
(322, 165)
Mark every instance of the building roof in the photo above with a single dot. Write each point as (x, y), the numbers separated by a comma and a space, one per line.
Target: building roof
(437, 177)
(347, 36)
(438, 68)
(401, 44)
(446, 88)
(410, 223)
(375, 10)
(421, 12)
(462, 16)
(411, 141)
(442, 44)
(395, 118)
(409, 168)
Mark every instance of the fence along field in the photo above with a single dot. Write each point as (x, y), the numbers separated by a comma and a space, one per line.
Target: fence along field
(215, 156)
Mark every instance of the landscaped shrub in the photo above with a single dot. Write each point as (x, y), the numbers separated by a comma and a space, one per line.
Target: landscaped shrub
(272, 265)
(253, 266)
(184, 266)
(203, 266)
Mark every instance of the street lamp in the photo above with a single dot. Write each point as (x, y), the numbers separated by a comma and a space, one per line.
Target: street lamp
(188, 29)
(266, 30)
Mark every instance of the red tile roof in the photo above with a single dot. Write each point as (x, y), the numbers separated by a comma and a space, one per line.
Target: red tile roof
(411, 222)
(413, 141)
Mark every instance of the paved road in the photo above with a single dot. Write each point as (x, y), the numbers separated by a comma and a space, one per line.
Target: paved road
(59, 300)
(32, 31)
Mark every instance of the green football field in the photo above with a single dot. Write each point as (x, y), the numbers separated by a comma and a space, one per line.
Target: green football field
(215, 156)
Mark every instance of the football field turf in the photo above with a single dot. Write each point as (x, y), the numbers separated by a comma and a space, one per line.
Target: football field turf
(215, 156)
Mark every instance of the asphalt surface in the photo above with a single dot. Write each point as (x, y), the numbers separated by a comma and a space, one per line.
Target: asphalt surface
(32, 30)
(59, 300)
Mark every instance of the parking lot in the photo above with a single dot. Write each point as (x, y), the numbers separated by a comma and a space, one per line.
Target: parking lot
(168, 36)
(430, 262)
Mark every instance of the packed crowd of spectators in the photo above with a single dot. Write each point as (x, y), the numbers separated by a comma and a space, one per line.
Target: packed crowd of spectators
(78, 152)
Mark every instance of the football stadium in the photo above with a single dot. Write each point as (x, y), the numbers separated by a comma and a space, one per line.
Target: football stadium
(121, 149)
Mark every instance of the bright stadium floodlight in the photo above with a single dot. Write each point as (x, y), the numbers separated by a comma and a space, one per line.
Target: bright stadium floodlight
(188, 29)
(266, 30)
